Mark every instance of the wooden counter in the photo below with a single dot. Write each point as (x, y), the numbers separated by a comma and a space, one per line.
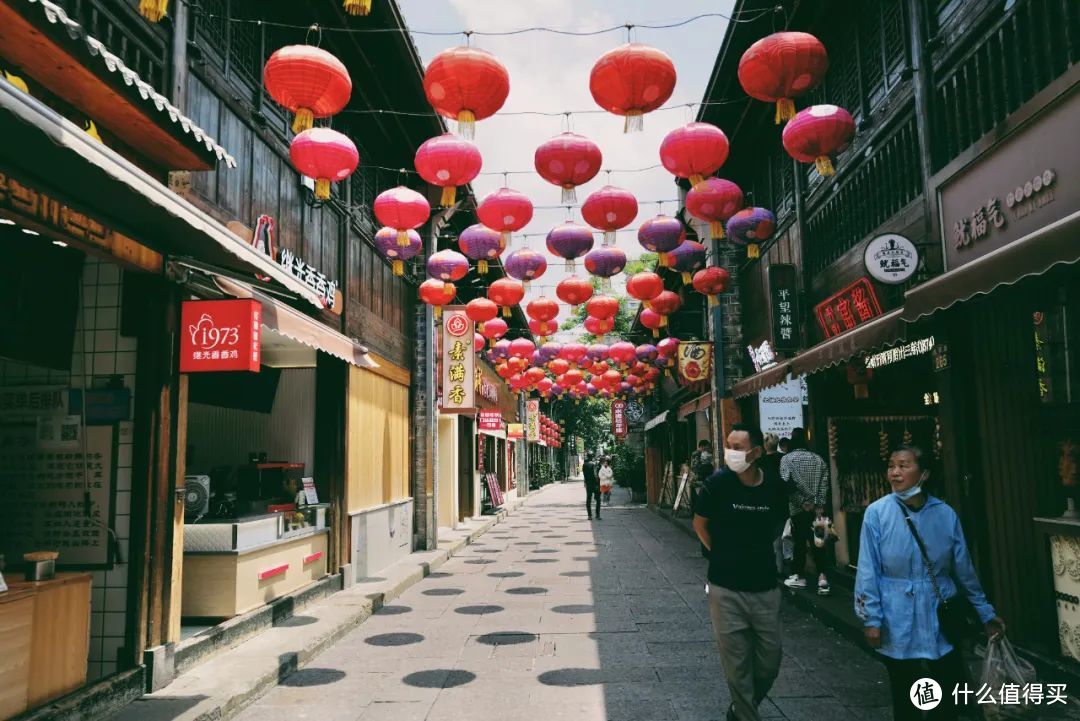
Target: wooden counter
(45, 637)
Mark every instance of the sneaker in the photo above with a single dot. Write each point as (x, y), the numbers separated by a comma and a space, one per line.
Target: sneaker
(821, 531)
(823, 587)
(795, 581)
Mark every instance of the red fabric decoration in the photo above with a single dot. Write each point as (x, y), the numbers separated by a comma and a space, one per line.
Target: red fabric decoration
(651, 320)
(402, 209)
(609, 209)
(694, 151)
(542, 329)
(506, 211)
(437, 293)
(711, 282)
(599, 326)
(665, 304)
(644, 286)
(632, 80)
(478, 342)
(466, 84)
(714, 200)
(782, 66)
(308, 81)
(602, 307)
(494, 329)
(448, 161)
(325, 155)
(506, 292)
(622, 352)
(568, 160)
(574, 291)
(522, 348)
(482, 310)
(817, 133)
(542, 309)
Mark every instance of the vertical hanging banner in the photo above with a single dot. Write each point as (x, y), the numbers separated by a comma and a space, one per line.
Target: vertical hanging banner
(618, 418)
(458, 362)
(783, 279)
(695, 361)
(532, 420)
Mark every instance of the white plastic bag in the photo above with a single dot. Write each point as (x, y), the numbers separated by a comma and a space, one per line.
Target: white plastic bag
(1002, 667)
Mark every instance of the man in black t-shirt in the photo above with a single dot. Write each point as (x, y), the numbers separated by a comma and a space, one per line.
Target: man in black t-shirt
(740, 513)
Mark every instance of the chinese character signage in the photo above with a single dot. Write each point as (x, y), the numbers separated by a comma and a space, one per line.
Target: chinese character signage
(891, 258)
(515, 431)
(532, 420)
(309, 276)
(458, 362)
(619, 425)
(899, 353)
(762, 356)
(780, 408)
(1042, 373)
(785, 313)
(490, 421)
(849, 308)
(695, 361)
(220, 335)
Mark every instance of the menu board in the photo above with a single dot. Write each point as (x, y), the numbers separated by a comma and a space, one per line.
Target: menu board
(44, 476)
(493, 490)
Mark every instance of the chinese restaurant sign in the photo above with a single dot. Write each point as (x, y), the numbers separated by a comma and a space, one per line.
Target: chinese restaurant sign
(762, 356)
(899, 353)
(849, 308)
(618, 418)
(532, 420)
(515, 431)
(309, 276)
(458, 362)
(695, 361)
(785, 317)
(891, 258)
(220, 335)
(490, 421)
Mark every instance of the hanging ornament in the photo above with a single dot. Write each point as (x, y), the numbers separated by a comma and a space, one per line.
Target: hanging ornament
(751, 227)
(652, 320)
(609, 209)
(666, 304)
(482, 244)
(543, 329)
(644, 286)
(599, 327)
(447, 161)
(478, 343)
(437, 293)
(506, 292)
(602, 307)
(506, 211)
(573, 352)
(466, 84)
(604, 262)
(572, 378)
(494, 329)
(711, 282)
(817, 134)
(622, 353)
(482, 310)
(687, 259)
(668, 348)
(501, 349)
(646, 353)
(386, 240)
(568, 160)
(402, 209)
(782, 66)
(632, 80)
(558, 366)
(324, 155)
(522, 348)
(574, 291)
(570, 241)
(535, 375)
(307, 81)
(525, 265)
(153, 10)
(542, 309)
(447, 265)
(694, 151)
(662, 235)
(714, 200)
(549, 352)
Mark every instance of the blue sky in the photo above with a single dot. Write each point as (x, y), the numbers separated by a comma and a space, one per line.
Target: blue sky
(550, 72)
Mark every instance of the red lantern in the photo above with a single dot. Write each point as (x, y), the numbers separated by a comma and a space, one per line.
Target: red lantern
(665, 304)
(612, 378)
(782, 66)
(602, 307)
(542, 309)
(668, 347)
(568, 160)
(694, 151)
(817, 133)
(522, 348)
(308, 81)
(494, 329)
(466, 84)
(574, 291)
(477, 343)
(447, 265)
(543, 329)
(402, 209)
(632, 80)
(609, 209)
(437, 293)
(599, 326)
(714, 200)
(506, 292)
(506, 211)
(573, 352)
(448, 161)
(558, 366)
(573, 377)
(480, 311)
(325, 155)
(623, 353)
(644, 286)
(711, 282)
(651, 320)
(534, 375)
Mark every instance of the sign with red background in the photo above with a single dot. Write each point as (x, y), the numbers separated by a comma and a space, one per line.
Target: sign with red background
(618, 419)
(490, 421)
(220, 335)
(849, 308)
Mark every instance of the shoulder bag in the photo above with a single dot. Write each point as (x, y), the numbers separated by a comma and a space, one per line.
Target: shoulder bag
(956, 617)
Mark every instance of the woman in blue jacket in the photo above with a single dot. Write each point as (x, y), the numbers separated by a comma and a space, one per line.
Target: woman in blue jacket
(894, 596)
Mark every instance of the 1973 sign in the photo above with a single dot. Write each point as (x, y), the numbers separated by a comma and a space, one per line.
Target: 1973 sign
(220, 335)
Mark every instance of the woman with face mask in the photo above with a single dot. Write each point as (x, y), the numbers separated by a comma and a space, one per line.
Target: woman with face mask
(912, 554)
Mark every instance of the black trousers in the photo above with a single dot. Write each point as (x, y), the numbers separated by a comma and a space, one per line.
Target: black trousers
(802, 535)
(592, 490)
(949, 671)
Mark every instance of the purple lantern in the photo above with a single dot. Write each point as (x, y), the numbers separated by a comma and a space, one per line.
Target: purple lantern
(597, 352)
(501, 349)
(604, 262)
(557, 390)
(525, 265)
(647, 352)
(625, 388)
(549, 352)
(687, 259)
(386, 240)
(591, 389)
(447, 265)
(662, 235)
(536, 359)
(570, 241)
(749, 227)
(482, 244)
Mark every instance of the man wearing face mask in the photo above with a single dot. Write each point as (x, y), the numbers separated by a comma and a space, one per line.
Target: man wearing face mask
(740, 513)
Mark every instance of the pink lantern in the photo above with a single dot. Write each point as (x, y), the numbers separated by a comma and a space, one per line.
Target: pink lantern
(506, 211)
(609, 209)
(447, 161)
(324, 155)
(694, 151)
(714, 200)
(568, 160)
(402, 209)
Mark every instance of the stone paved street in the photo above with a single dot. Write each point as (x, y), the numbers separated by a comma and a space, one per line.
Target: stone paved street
(551, 616)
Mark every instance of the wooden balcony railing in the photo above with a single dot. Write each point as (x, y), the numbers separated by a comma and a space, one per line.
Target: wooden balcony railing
(142, 46)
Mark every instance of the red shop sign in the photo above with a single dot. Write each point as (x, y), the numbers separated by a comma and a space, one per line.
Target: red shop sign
(490, 420)
(618, 418)
(849, 308)
(220, 335)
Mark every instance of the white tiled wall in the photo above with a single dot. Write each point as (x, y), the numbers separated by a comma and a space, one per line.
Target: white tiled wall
(108, 354)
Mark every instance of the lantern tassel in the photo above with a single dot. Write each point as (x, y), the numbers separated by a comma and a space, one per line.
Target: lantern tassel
(655, 332)
(753, 251)
(304, 120)
(785, 110)
(569, 195)
(482, 266)
(438, 312)
(662, 259)
(399, 267)
(605, 285)
(635, 122)
(663, 321)
(716, 229)
(358, 7)
(506, 311)
(448, 290)
(322, 188)
(609, 237)
(491, 342)
(403, 238)
(504, 239)
(571, 265)
(466, 124)
(449, 195)
(153, 10)
(647, 304)
(713, 301)
(824, 166)
(695, 179)
(686, 279)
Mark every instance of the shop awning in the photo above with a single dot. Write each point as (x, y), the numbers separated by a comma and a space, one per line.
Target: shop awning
(289, 323)
(45, 149)
(879, 332)
(656, 420)
(760, 381)
(1035, 254)
(698, 404)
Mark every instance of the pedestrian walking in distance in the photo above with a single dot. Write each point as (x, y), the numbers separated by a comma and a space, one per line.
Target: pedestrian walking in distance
(807, 477)
(607, 480)
(740, 513)
(912, 554)
(592, 486)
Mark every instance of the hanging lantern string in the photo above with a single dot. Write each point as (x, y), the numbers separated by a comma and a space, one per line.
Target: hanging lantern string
(504, 173)
(544, 113)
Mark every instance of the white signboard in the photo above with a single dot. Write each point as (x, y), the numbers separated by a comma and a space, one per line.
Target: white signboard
(891, 258)
(780, 408)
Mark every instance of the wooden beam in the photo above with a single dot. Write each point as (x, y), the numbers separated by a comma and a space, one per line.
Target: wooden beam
(390, 371)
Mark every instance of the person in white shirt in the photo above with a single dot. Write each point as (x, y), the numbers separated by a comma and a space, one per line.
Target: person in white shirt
(607, 479)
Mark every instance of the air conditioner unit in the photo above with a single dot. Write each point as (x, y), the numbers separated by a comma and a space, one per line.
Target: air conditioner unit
(196, 497)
